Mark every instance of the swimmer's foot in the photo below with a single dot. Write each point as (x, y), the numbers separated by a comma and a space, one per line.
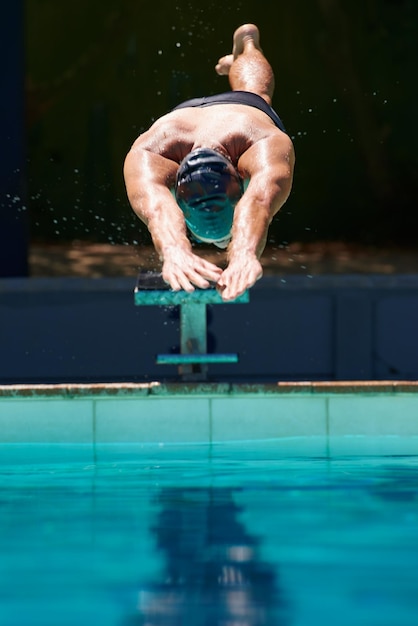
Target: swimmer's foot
(224, 65)
(244, 35)
(247, 34)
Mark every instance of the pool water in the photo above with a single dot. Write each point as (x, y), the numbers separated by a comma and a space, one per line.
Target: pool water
(275, 533)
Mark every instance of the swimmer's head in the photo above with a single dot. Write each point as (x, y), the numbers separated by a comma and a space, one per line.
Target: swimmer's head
(207, 189)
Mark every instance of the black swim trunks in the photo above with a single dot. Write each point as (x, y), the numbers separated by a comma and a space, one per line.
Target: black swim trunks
(235, 97)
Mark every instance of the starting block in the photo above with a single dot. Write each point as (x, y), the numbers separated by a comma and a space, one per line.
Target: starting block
(193, 359)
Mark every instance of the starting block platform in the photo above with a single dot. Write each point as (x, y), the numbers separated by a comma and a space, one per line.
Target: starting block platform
(193, 359)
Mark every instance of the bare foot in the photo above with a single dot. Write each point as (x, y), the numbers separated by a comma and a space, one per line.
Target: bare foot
(243, 35)
(224, 65)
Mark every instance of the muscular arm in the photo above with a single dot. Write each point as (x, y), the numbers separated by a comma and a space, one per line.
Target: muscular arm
(269, 163)
(148, 179)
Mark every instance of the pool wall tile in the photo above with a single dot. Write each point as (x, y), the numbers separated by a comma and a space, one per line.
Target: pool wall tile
(373, 415)
(160, 419)
(46, 421)
(203, 412)
(255, 418)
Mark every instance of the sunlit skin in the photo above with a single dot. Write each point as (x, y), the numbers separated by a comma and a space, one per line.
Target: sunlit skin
(260, 151)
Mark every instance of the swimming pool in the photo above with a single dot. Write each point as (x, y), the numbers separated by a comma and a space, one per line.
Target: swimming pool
(299, 531)
(166, 504)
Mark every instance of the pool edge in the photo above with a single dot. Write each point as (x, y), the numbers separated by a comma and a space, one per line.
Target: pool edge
(157, 388)
(195, 413)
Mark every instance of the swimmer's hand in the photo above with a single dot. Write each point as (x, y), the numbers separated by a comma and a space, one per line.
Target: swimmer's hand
(184, 270)
(242, 272)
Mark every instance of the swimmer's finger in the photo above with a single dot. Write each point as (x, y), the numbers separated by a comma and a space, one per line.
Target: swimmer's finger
(210, 271)
(176, 283)
(184, 283)
(197, 279)
(210, 266)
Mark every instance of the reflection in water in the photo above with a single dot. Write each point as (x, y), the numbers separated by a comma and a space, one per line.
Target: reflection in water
(213, 574)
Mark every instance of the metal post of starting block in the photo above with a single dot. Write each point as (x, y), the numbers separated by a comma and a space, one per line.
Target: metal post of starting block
(193, 336)
(193, 359)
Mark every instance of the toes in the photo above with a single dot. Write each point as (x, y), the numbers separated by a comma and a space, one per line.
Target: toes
(224, 65)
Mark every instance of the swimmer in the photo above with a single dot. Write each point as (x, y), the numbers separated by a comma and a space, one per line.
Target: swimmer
(215, 170)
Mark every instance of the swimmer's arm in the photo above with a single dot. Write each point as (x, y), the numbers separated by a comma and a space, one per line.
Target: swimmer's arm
(269, 164)
(149, 178)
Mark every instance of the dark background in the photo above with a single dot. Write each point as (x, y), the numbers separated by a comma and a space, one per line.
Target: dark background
(97, 73)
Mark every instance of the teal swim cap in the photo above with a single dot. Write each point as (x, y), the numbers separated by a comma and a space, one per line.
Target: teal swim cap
(207, 189)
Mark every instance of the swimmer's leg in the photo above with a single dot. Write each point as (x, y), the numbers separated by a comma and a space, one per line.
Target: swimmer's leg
(247, 67)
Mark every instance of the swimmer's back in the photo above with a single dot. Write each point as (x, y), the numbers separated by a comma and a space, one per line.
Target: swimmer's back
(230, 128)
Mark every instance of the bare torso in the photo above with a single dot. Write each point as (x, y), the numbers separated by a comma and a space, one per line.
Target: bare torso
(261, 152)
(231, 129)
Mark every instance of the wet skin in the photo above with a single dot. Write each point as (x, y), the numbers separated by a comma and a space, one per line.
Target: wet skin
(261, 152)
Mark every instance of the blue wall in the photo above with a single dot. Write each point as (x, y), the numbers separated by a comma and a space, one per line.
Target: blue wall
(320, 328)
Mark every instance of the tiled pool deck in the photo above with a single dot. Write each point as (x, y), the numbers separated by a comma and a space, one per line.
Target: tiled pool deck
(205, 412)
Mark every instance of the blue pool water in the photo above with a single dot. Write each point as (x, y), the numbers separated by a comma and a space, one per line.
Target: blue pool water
(281, 533)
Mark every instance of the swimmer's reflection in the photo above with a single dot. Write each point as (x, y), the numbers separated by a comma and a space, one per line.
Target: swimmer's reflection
(214, 575)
